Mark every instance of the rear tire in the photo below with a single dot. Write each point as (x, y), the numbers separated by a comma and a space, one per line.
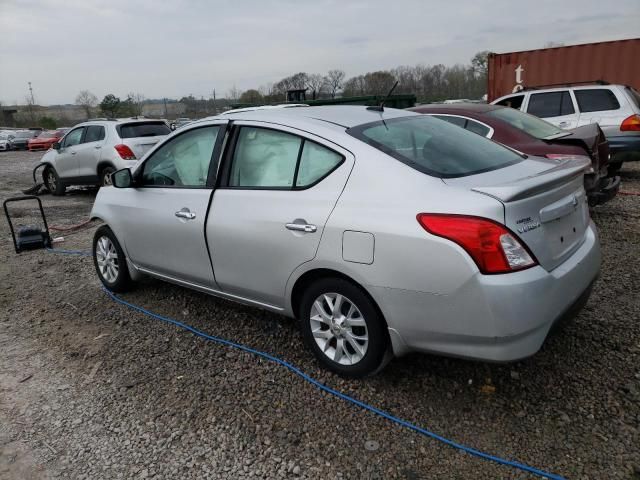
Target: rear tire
(343, 328)
(52, 181)
(105, 176)
(614, 168)
(110, 261)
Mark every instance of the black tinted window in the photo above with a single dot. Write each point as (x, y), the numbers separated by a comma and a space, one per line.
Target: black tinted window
(434, 147)
(596, 100)
(459, 121)
(143, 129)
(513, 102)
(478, 128)
(94, 133)
(551, 104)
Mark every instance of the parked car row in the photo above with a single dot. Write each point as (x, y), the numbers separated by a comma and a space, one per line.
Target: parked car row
(615, 108)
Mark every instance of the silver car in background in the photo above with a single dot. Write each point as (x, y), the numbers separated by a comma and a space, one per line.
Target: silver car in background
(383, 232)
(91, 151)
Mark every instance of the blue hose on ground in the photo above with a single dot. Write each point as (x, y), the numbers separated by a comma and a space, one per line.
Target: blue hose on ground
(323, 387)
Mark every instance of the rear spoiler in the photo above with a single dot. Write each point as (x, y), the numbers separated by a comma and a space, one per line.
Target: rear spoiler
(530, 186)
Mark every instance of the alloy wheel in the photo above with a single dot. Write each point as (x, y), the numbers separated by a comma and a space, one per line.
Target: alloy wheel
(339, 329)
(51, 181)
(107, 258)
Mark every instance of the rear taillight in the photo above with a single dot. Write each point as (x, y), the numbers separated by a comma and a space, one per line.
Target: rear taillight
(491, 245)
(631, 124)
(125, 152)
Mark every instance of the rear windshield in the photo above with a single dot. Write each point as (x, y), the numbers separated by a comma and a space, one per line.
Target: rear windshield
(534, 126)
(143, 129)
(435, 147)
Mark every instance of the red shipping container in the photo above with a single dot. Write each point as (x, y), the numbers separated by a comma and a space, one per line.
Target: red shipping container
(613, 62)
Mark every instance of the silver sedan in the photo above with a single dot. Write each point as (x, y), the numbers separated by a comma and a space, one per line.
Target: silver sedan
(383, 232)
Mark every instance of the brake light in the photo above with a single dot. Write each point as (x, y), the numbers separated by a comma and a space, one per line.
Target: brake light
(631, 124)
(125, 152)
(491, 245)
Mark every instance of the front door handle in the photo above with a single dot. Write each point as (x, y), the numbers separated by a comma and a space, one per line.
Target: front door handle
(301, 227)
(98, 147)
(186, 214)
(72, 152)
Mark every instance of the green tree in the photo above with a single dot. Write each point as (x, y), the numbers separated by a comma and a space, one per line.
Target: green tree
(110, 105)
(252, 96)
(47, 122)
(479, 62)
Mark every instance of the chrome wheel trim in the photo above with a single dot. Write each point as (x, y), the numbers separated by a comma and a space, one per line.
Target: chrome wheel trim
(107, 259)
(339, 329)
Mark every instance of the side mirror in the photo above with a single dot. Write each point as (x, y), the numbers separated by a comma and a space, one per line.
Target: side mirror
(122, 178)
(172, 126)
(56, 146)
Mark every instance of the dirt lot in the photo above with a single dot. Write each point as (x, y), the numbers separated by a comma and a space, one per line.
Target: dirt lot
(90, 389)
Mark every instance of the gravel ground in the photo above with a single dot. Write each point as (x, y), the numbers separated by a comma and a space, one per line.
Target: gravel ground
(90, 389)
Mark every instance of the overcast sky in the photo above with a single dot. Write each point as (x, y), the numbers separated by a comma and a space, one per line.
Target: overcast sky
(173, 48)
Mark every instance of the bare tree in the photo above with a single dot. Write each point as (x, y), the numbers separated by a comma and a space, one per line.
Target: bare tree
(315, 82)
(87, 101)
(233, 94)
(136, 101)
(334, 81)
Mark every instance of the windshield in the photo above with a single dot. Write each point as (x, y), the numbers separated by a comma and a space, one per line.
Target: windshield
(435, 147)
(527, 123)
(24, 134)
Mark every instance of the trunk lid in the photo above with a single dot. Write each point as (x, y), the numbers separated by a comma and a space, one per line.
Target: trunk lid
(592, 139)
(544, 204)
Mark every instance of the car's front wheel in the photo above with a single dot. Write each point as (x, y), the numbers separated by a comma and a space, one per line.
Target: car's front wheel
(343, 327)
(110, 261)
(52, 181)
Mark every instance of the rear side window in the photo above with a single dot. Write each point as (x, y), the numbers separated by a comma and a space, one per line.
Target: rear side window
(94, 133)
(513, 102)
(265, 158)
(143, 129)
(433, 147)
(551, 104)
(459, 121)
(596, 100)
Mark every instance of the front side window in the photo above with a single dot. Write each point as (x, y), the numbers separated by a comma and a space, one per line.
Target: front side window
(74, 137)
(596, 100)
(95, 133)
(550, 104)
(265, 158)
(434, 147)
(183, 161)
(513, 102)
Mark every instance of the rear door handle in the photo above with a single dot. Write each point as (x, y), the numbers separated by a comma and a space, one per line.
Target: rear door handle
(72, 152)
(98, 147)
(301, 227)
(186, 214)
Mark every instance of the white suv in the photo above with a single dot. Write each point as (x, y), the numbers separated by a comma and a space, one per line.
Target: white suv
(616, 108)
(91, 151)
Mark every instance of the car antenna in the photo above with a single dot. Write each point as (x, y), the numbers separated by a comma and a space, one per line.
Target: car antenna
(380, 108)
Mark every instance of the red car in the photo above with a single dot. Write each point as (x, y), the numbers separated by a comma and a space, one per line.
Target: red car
(533, 136)
(46, 139)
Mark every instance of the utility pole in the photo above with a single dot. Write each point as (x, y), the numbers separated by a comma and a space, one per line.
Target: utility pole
(215, 110)
(166, 115)
(32, 102)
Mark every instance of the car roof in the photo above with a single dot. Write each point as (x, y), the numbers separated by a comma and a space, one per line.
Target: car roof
(456, 107)
(346, 116)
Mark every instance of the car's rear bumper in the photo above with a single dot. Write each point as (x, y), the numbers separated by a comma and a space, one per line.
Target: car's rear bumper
(621, 144)
(608, 189)
(491, 317)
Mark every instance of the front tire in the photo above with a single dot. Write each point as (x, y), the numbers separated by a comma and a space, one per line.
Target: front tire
(52, 181)
(343, 327)
(110, 261)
